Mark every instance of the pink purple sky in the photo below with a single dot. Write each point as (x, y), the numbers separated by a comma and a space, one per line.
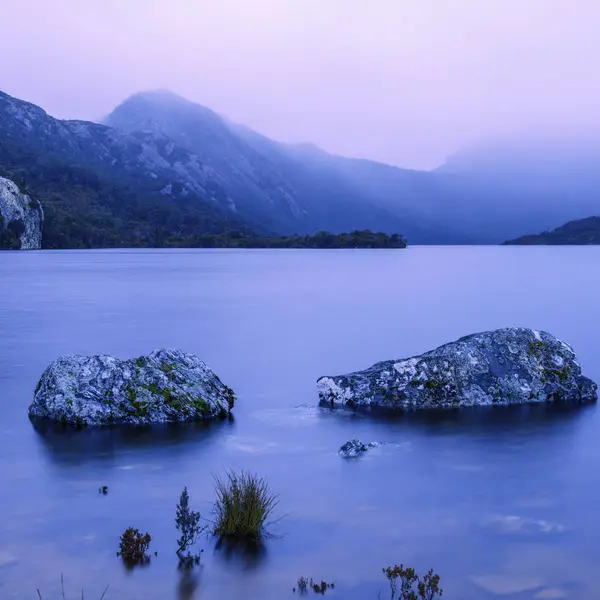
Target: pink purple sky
(400, 81)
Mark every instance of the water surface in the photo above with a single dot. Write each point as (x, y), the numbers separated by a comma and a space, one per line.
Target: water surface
(497, 501)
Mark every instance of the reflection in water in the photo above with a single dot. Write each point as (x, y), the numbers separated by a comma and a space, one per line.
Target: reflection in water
(247, 554)
(68, 446)
(133, 565)
(470, 419)
(515, 489)
(188, 582)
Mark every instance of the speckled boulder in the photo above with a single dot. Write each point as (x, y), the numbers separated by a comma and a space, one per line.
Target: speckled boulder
(506, 366)
(166, 386)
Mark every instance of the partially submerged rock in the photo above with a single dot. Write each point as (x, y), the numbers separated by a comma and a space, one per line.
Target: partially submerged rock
(166, 386)
(355, 448)
(352, 449)
(21, 219)
(506, 366)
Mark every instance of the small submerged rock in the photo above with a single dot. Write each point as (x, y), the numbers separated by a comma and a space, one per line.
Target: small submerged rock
(506, 366)
(355, 448)
(164, 387)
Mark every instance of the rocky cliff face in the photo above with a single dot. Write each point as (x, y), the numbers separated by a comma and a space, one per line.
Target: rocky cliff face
(506, 366)
(21, 219)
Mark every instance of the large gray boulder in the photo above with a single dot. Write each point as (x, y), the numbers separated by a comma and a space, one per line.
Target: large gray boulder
(506, 366)
(166, 386)
(21, 219)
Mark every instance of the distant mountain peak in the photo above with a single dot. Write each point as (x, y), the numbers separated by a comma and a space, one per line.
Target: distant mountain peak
(160, 95)
(156, 111)
(288, 188)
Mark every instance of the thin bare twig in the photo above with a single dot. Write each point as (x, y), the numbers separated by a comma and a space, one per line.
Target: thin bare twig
(103, 593)
(62, 585)
(39, 595)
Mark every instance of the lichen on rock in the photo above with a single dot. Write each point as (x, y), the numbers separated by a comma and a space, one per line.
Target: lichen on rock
(163, 387)
(21, 219)
(505, 366)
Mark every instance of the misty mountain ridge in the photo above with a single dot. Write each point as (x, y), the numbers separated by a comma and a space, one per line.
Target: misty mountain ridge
(160, 154)
(295, 188)
(483, 194)
(520, 153)
(285, 188)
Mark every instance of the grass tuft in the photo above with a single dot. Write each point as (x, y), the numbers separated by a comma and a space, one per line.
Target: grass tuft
(243, 505)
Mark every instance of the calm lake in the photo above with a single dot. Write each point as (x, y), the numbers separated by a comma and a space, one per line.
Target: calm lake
(499, 501)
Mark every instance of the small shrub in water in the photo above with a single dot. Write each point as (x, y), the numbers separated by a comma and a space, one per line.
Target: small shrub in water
(304, 584)
(133, 547)
(244, 502)
(188, 524)
(427, 587)
(321, 588)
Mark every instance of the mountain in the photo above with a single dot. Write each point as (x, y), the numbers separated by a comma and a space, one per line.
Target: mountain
(583, 232)
(401, 197)
(100, 187)
(161, 170)
(483, 194)
(282, 188)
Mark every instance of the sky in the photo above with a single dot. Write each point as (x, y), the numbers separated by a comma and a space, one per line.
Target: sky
(406, 82)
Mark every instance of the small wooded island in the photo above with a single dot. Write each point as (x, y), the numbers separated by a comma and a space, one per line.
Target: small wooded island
(364, 238)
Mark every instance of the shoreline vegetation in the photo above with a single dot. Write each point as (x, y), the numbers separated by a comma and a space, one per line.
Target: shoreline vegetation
(322, 240)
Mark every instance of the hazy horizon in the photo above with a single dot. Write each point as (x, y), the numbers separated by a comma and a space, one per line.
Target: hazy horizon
(404, 83)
